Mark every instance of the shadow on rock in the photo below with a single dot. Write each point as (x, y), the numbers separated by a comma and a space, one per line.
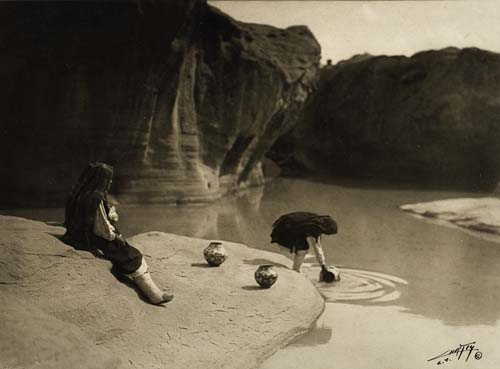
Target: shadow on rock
(120, 277)
(201, 265)
(264, 262)
(252, 288)
(74, 246)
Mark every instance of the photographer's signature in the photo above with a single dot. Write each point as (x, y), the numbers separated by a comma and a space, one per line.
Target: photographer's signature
(463, 351)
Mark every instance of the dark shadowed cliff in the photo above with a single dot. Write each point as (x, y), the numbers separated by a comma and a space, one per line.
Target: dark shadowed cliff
(433, 118)
(180, 98)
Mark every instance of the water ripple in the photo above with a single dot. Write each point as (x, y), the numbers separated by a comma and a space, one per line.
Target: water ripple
(358, 286)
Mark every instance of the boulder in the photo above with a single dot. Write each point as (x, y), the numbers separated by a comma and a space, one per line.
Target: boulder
(63, 308)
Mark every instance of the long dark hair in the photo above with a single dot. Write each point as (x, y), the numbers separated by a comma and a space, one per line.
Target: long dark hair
(84, 198)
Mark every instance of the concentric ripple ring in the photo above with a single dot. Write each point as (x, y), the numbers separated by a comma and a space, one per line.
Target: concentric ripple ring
(358, 286)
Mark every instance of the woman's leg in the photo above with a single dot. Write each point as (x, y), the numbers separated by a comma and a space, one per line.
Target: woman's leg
(130, 262)
(299, 259)
(124, 257)
(143, 280)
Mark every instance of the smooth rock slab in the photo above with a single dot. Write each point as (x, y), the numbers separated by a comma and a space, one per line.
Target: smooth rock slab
(479, 214)
(219, 317)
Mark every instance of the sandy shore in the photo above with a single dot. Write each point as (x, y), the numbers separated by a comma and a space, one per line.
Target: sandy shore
(62, 308)
(478, 214)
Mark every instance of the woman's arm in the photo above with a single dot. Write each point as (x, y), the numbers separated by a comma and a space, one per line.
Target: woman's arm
(318, 250)
(102, 226)
(113, 215)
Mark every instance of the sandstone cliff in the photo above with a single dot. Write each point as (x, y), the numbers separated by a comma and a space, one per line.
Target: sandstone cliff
(433, 118)
(183, 100)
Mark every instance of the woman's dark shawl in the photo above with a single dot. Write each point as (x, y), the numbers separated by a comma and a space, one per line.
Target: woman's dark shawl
(83, 201)
(291, 229)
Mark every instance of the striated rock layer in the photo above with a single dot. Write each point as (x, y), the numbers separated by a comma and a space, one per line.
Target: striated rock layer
(183, 100)
(433, 118)
(62, 308)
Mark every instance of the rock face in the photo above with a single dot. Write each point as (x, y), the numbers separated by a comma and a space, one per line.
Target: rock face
(433, 118)
(62, 308)
(183, 100)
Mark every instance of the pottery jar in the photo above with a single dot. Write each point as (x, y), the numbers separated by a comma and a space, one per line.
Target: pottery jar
(215, 253)
(266, 275)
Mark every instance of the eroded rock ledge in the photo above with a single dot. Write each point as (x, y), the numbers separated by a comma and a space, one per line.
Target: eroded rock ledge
(182, 99)
(62, 308)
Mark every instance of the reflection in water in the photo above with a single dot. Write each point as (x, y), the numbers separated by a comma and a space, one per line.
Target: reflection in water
(368, 337)
(263, 262)
(232, 219)
(322, 335)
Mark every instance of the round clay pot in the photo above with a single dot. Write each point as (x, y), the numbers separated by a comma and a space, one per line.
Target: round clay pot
(215, 253)
(266, 276)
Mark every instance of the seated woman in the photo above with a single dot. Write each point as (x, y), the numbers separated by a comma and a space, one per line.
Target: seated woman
(89, 222)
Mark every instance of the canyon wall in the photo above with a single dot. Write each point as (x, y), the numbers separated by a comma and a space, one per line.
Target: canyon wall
(433, 119)
(181, 99)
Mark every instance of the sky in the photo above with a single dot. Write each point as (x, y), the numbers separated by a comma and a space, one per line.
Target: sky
(347, 28)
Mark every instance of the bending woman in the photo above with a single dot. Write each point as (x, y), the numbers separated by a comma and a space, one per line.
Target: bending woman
(90, 224)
